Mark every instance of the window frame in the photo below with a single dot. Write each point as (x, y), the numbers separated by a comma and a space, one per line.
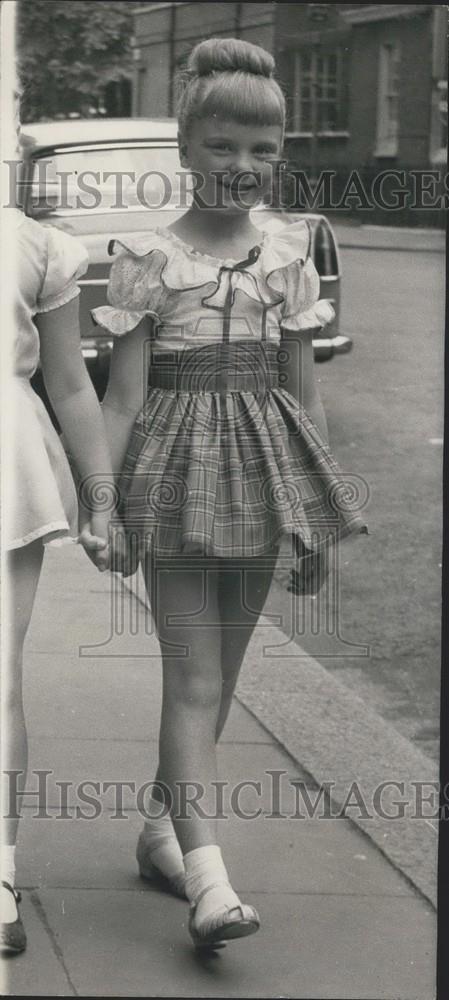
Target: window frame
(438, 126)
(387, 142)
(315, 53)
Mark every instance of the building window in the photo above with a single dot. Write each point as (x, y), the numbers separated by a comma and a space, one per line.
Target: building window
(319, 91)
(442, 109)
(438, 128)
(388, 101)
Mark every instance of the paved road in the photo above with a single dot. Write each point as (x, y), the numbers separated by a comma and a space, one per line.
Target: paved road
(385, 411)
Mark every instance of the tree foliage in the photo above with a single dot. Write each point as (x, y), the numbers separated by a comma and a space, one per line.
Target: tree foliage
(68, 53)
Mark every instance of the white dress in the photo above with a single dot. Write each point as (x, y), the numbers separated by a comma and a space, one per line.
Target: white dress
(39, 496)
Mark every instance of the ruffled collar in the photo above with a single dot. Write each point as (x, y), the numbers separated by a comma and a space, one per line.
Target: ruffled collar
(216, 261)
(291, 242)
(185, 268)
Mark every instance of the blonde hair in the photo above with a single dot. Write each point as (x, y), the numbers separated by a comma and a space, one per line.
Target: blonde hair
(232, 80)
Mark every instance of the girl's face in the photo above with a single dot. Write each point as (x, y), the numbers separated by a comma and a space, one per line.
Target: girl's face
(234, 162)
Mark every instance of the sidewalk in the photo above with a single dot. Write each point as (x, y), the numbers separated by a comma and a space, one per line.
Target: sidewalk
(338, 919)
(395, 238)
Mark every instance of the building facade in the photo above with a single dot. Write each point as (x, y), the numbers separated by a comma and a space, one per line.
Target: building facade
(165, 33)
(366, 84)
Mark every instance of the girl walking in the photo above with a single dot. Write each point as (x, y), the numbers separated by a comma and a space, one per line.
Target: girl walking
(39, 497)
(217, 457)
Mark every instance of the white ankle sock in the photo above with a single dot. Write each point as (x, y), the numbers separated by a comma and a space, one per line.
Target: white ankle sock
(160, 838)
(205, 867)
(8, 909)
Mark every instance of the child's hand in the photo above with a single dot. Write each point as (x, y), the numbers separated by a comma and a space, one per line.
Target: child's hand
(94, 537)
(123, 555)
(311, 573)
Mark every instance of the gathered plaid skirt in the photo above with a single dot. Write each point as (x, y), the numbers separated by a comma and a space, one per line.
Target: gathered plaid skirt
(223, 461)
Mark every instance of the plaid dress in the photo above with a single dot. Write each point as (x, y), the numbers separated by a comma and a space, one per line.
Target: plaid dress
(222, 460)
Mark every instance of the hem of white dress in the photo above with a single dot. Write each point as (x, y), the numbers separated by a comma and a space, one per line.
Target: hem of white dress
(61, 527)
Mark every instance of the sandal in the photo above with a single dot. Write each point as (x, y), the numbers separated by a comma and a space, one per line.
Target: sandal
(225, 924)
(12, 935)
(148, 870)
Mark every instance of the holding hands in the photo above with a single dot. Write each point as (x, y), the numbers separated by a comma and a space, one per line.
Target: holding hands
(123, 552)
(106, 544)
(94, 537)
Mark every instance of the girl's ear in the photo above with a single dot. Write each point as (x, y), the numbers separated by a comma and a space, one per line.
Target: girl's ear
(183, 150)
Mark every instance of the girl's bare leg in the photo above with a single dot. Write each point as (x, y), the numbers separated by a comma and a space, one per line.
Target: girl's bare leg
(192, 688)
(242, 591)
(23, 567)
(192, 684)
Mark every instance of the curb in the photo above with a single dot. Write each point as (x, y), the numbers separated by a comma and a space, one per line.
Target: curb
(340, 741)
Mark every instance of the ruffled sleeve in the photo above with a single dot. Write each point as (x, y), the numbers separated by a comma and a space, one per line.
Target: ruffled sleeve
(298, 281)
(134, 291)
(67, 260)
(303, 309)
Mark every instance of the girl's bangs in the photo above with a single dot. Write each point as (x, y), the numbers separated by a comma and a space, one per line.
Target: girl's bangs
(244, 98)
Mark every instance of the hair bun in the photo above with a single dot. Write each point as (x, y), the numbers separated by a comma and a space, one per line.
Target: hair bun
(229, 55)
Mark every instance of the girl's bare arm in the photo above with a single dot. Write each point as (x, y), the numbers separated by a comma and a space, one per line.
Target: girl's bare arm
(124, 398)
(127, 388)
(71, 392)
(297, 368)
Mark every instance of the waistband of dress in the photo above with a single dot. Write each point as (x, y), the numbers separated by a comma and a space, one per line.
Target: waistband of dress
(241, 366)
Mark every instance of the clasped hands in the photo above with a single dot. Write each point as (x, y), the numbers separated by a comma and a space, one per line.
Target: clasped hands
(105, 543)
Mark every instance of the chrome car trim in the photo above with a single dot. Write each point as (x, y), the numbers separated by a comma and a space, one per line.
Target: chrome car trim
(90, 147)
(69, 213)
(339, 343)
(96, 281)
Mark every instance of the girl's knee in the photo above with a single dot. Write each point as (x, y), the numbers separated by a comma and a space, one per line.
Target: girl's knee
(193, 689)
(12, 697)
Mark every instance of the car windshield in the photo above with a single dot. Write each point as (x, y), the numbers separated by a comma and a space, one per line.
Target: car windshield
(98, 178)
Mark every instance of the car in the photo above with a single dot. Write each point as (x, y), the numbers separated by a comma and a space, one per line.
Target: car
(102, 179)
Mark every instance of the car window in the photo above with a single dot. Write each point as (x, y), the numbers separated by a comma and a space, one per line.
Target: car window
(326, 261)
(99, 179)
